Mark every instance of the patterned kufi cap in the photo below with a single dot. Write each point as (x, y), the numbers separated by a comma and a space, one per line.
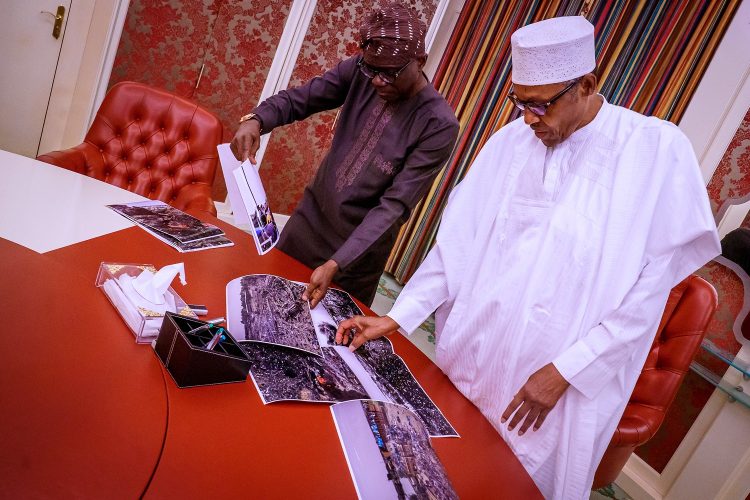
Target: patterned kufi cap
(393, 35)
(553, 51)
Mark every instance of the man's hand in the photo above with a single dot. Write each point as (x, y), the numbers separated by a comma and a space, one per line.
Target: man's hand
(535, 399)
(320, 280)
(360, 329)
(246, 141)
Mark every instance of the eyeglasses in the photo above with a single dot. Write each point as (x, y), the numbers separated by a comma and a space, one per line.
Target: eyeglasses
(539, 108)
(388, 77)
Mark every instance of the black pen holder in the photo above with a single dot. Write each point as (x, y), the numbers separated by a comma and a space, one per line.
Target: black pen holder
(190, 362)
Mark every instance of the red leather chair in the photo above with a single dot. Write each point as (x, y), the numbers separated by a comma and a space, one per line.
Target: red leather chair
(152, 143)
(689, 309)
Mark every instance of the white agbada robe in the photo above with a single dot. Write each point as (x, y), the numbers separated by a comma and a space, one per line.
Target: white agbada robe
(563, 255)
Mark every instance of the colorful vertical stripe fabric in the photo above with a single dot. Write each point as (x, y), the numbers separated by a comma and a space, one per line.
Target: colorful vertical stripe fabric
(651, 54)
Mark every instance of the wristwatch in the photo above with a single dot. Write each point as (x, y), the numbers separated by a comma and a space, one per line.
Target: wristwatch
(252, 116)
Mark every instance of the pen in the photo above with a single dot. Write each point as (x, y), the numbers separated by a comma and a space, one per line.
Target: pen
(199, 309)
(209, 324)
(215, 339)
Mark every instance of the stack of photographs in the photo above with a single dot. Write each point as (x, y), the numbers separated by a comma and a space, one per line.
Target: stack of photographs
(172, 226)
(294, 356)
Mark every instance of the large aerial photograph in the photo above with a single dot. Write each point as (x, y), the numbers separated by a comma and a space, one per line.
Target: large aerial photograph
(389, 452)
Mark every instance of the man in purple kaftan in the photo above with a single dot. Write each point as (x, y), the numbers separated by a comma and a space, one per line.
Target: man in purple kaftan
(393, 134)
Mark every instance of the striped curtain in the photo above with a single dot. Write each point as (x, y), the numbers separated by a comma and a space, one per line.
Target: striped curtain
(651, 55)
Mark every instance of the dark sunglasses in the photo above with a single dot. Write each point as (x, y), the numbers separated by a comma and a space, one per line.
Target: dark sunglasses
(539, 108)
(387, 77)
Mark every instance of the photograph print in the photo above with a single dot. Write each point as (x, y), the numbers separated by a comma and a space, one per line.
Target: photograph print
(282, 374)
(264, 229)
(390, 374)
(397, 383)
(389, 452)
(267, 308)
(340, 305)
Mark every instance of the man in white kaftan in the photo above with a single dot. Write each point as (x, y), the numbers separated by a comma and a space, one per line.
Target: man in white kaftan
(553, 263)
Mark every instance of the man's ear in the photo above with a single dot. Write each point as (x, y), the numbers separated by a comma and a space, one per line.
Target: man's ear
(589, 84)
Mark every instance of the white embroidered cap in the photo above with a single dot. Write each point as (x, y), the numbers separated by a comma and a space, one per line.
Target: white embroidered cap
(553, 51)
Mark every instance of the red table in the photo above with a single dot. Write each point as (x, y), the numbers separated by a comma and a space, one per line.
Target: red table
(221, 441)
(83, 409)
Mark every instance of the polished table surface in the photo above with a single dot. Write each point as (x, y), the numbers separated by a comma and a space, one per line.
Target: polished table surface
(83, 409)
(214, 441)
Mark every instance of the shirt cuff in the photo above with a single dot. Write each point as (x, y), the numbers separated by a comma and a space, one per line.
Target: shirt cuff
(404, 312)
(266, 121)
(583, 369)
(343, 256)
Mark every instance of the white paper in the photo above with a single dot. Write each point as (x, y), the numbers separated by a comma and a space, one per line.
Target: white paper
(228, 165)
(388, 452)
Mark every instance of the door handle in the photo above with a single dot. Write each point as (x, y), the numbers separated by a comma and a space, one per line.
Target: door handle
(58, 20)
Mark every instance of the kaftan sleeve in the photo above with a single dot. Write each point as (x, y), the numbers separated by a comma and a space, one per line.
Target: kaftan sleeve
(682, 237)
(322, 93)
(591, 362)
(426, 291)
(408, 187)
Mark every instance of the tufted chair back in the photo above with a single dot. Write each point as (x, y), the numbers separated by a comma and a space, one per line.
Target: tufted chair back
(689, 308)
(152, 143)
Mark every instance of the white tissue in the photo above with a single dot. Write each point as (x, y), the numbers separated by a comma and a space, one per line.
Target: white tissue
(153, 287)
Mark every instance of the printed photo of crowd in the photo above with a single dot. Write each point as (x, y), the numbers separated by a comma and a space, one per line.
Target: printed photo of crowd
(394, 457)
(282, 374)
(397, 383)
(272, 312)
(264, 226)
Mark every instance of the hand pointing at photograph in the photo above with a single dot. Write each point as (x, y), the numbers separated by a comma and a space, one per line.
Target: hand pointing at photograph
(357, 330)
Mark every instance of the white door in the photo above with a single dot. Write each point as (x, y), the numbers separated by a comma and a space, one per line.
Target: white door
(29, 52)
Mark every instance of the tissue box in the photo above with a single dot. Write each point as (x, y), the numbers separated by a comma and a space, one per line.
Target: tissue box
(142, 322)
(188, 361)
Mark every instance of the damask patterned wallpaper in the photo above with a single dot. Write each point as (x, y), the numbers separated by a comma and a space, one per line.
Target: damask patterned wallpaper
(295, 151)
(165, 42)
(730, 184)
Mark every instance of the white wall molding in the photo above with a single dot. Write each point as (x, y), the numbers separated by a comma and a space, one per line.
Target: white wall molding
(439, 33)
(638, 480)
(723, 95)
(285, 58)
(733, 217)
(104, 70)
(282, 66)
(435, 24)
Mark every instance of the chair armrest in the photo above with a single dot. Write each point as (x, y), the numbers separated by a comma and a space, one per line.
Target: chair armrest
(195, 197)
(639, 423)
(70, 159)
